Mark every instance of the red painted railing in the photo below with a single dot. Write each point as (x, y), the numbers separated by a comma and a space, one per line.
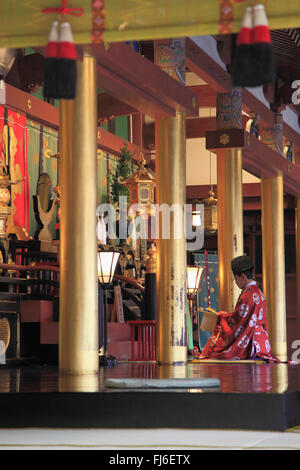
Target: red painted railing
(144, 331)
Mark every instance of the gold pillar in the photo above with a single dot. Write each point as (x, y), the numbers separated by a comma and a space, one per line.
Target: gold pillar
(230, 194)
(78, 326)
(230, 223)
(297, 230)
(274, 262)
(170, 134)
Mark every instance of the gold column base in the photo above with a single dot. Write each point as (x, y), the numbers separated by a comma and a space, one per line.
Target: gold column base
(79, 383)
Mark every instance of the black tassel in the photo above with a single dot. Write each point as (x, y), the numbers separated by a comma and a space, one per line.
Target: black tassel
(67, 79)
(242, 57)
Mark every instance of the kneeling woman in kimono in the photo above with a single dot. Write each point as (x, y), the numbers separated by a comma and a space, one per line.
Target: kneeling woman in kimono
(242, 334)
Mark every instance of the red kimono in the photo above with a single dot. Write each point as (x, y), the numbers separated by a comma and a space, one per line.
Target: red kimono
(242, 334)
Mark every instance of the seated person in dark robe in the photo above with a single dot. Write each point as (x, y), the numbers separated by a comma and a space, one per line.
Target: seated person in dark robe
(243, 333)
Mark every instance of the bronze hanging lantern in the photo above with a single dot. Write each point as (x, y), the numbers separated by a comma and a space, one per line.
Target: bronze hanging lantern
(210, 207)
(141, 186)
(210, 212)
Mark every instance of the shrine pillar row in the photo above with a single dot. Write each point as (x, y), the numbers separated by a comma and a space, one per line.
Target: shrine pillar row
(78, 325)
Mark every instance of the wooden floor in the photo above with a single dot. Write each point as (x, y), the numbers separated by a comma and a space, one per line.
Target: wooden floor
(250, 396)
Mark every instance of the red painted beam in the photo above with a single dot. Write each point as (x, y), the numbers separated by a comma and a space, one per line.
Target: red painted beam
(206, 95)
(109, 106)
(32, 107)
(262, 161)
(206, 68)
(137, 123)
(135, 80)
(196, 128)
(259, 159)
(45, 113)
(251, 195)
(250, 190)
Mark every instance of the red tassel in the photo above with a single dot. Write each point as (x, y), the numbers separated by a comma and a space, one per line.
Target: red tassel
(67, 63)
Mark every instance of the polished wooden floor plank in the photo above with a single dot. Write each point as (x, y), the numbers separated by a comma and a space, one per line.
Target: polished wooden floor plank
(234, 378)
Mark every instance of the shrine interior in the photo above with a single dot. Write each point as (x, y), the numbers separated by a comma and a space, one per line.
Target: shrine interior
(47, 262)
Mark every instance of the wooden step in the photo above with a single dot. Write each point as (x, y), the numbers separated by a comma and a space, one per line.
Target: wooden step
(121, 350)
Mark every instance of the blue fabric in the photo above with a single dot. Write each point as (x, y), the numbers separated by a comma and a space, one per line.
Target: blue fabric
(202, 298)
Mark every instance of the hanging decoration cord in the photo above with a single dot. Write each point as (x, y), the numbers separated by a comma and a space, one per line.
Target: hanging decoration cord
(207, 279)
(210, 181)
(63, 10)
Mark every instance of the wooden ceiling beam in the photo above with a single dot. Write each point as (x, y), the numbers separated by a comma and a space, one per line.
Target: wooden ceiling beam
(199, 62)
(130, 77)
(109, 106)
(259, 159)
(262, 161)
(251, 196)
(32, 107)
(250, 190)
(195, 129)
(206, 95)
(48, 115)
